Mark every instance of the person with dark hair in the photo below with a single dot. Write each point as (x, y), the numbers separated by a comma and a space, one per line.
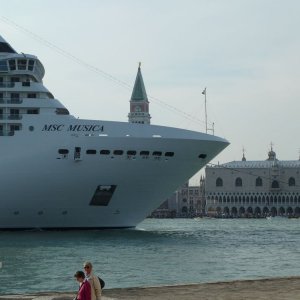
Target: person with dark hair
(85, 291)
(93, 280)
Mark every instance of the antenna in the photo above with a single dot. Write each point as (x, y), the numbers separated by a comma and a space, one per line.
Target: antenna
(204, 93)
(212, 129)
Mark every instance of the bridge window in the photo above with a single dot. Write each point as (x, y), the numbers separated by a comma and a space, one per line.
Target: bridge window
(12, 64)
(258, 181)
(239, 182)
(292, 181)
(219, 182)
(30, 65)
(22, 64)
(3, 66)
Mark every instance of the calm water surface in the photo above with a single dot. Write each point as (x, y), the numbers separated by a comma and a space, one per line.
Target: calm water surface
(157, 252)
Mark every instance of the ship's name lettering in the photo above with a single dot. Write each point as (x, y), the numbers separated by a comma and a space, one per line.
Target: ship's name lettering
(73, 128)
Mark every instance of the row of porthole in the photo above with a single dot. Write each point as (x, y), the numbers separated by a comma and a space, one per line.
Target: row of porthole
(121, 152)
(16, 213)
(129, 153)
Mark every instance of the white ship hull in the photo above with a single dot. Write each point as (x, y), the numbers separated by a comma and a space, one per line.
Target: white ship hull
(57, 171)
(39, 189)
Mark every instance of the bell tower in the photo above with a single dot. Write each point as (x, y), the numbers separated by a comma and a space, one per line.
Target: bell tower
(139, 104)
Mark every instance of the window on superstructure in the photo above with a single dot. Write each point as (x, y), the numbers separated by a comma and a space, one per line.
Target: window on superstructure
(62, 111)
(14, 127)
(1, 96)
(14, 98)
(12, 64)
(3, 66)
(31, 95)
(34, 111)
(22, 63)
(15, 79)
(30, 65)
(14, 112)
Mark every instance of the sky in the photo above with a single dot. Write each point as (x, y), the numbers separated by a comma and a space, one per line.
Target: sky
(246, 52)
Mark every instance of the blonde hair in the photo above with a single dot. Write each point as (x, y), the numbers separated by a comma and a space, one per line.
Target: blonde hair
(88, 264)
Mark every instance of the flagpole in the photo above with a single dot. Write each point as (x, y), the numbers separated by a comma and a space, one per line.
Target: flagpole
(204, 92)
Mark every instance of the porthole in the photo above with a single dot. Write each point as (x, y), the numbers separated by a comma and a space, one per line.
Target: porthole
(64, 212)
(104, 152)
(144, 153)
(63, 151)
(169, 154)
(40, 213)
(202, 156)
(157, 153)
(118, 152)
(16, 212)
(31, 128)
(91, 151)
(131, 152)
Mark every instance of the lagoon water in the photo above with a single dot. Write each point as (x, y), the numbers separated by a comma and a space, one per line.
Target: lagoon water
(158, 252)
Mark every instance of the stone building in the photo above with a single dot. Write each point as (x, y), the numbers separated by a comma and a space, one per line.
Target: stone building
(254, 188)
(187, 201)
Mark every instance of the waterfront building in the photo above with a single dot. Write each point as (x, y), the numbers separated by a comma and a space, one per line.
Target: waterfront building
(186, 201)
(254, 188)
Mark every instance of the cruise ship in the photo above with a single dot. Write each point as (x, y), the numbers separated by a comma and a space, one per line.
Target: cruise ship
(61, 172)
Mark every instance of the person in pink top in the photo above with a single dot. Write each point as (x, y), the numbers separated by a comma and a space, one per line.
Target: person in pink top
(84, 292)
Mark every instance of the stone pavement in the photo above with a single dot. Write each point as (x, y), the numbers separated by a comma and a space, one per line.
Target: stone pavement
(287, 288)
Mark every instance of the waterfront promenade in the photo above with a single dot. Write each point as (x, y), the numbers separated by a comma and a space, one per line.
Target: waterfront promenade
(287, 288)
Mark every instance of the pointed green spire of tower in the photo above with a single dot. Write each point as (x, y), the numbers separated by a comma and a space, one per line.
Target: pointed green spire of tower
(139, 91)
(139, 104)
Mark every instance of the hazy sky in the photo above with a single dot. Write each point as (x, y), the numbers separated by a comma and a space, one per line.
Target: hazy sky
(247, 54)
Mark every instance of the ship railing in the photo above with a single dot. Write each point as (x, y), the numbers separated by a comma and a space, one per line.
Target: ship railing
(10, 117)
(11, 101)
(5, 84)
(6, 133)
